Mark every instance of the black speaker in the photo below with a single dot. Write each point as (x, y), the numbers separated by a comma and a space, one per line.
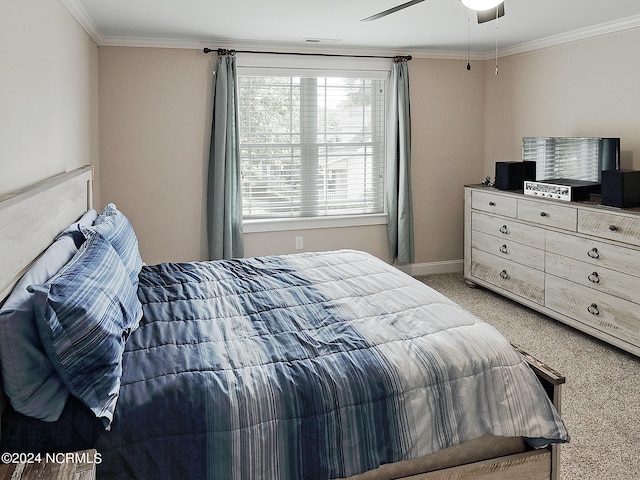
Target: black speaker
(620, 188)
(529, 170)
(511, 175)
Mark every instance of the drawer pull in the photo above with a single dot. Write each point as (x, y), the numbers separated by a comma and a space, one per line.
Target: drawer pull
(504, 229)
(593, 253)
(492, 204)
(613, 228)
(504, 248)
(593, 309)
(543, 214)
(504, 274)
(594, 278)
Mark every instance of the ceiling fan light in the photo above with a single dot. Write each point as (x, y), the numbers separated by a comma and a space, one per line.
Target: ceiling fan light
(481, 5)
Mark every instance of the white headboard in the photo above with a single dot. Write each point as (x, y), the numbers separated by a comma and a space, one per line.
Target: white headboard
(31, 218)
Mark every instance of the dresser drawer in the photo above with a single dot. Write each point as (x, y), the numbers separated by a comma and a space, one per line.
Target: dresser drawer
(604, 312)
(602, 279)
(509, 250)
(595, 253)
(494, 203)
(548, 214)
(610, 226)
(507, 229)
(514, 277)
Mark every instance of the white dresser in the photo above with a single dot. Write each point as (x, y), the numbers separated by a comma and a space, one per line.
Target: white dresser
(577, 262)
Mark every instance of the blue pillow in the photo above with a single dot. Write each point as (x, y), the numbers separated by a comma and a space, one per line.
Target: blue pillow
(85, 314)
(29, 379)
(118, 231)
(74, 229)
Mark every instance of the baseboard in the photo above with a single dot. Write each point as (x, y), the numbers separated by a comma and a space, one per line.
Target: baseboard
(432, 268)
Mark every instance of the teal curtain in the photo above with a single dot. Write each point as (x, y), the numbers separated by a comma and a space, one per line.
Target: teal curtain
(398, 172)
(224, 195)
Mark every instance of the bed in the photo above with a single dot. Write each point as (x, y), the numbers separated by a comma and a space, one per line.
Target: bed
(310, 366)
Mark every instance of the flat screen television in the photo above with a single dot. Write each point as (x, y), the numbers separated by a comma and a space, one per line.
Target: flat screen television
(572, 158)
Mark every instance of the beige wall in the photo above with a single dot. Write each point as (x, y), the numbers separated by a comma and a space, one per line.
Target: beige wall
(586, 88)
(155, 125)
(154, 139)
(447, 117)
(371, 238)
(48, 93)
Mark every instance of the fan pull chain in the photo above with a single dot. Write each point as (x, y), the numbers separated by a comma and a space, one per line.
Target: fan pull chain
(497, 16)
(468, 37)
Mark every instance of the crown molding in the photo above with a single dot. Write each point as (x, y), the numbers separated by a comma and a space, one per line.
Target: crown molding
(83, 18)
(608, 28)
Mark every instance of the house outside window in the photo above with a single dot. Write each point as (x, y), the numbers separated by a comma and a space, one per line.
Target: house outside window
(312, 143)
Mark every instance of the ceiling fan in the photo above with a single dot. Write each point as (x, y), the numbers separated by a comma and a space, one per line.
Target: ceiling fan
(487, 10)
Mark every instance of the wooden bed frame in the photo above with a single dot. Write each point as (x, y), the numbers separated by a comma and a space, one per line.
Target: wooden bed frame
(31, 218)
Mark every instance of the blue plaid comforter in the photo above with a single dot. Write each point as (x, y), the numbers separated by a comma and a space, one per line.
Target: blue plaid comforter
(309, 366)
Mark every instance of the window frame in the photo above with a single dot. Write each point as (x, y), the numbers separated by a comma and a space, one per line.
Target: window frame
(293, 65)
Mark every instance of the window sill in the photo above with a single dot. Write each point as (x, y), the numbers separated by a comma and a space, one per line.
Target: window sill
(307, 223)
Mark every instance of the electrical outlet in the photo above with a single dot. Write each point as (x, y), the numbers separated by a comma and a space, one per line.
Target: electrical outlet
(299, 243)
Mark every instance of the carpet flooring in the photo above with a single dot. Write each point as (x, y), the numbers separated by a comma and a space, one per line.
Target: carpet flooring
(601, 399)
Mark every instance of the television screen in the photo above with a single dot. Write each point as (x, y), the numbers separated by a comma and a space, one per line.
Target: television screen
(572, 158)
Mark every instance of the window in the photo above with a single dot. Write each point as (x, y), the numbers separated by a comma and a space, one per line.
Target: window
(312, 144)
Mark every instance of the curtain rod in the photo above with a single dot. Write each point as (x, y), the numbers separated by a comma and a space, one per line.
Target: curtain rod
(224, 51)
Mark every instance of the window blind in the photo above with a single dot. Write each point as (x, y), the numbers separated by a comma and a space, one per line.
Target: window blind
(311, 144)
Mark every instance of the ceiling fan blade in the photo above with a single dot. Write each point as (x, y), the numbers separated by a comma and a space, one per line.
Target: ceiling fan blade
(391, 10)
(488, 15)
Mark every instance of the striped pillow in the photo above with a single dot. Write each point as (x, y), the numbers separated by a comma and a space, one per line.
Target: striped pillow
(115, 227)
(85, 314)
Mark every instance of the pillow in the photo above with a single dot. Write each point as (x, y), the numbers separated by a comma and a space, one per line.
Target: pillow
(30, 381)
(85, 314)
(87, 219)
(118, 231)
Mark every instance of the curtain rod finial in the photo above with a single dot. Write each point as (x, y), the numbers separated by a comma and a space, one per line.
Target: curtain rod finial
(402, 58)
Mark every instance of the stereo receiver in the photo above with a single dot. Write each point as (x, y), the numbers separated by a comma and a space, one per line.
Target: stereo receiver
(560, 189)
